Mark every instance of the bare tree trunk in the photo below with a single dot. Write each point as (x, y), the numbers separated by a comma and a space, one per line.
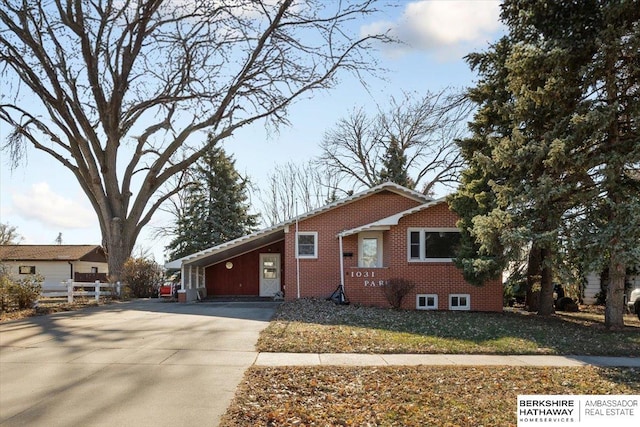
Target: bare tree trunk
(614, 309)
(532, 299)
(118, 246)
(546, 284)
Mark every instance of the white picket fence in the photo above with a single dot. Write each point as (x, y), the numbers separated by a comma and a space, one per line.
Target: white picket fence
(72, 289)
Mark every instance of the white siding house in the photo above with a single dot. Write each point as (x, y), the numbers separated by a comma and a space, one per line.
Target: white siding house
(593, 286)
(56, 263)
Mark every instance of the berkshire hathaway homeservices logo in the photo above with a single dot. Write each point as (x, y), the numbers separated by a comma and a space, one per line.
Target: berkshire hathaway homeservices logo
(578, 410)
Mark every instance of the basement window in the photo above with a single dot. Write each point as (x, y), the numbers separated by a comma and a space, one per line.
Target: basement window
(426, 302)
(459, 302)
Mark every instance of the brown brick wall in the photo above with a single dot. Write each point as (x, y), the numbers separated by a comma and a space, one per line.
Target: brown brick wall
(320, 277)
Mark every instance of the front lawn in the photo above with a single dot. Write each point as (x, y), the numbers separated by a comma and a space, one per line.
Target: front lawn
(318, 326)
(408, 396)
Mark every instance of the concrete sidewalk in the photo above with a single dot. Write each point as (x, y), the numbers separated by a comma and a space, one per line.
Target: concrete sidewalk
(349, 359)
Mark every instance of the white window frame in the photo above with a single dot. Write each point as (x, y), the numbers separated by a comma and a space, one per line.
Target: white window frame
(427, 307)
(459, 307)
(422, 231)
(315, 244)
(370, 235)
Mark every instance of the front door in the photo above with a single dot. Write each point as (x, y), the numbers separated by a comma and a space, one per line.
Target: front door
(269, 274)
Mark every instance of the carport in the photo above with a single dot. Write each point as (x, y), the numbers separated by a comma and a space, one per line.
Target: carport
(251, 265)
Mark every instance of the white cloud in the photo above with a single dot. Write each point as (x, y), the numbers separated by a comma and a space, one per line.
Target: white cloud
(447, 28)
(42, 204)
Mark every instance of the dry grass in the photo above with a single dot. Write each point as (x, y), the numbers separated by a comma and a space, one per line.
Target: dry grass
(47, 307)
(422, 395)
(318, 326)
(408, 396)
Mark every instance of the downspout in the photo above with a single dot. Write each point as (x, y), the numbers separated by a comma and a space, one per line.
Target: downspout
(297, 254)
(341, 265)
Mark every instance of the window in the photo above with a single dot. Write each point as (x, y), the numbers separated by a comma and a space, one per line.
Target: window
(432, 244)
(307, 245)
(27, 269)
(427, 302)
(370, 250)
(414, 245)
(94, 270)
(459, 302)
(269, 268)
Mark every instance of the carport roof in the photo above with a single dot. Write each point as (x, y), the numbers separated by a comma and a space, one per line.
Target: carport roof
(231, 248)
(275, 233)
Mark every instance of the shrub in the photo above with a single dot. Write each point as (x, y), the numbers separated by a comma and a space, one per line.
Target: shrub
(5, 292)
(22, 293)
(28, 290)
(140, 274)
(566, 304)
(395, 290)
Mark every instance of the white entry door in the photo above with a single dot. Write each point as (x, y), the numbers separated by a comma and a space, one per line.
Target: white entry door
(269, 274)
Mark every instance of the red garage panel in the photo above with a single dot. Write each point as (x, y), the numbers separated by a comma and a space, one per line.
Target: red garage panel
(238, 276)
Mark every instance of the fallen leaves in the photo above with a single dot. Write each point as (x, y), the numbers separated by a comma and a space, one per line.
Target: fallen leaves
(407, 396)
(318, 326)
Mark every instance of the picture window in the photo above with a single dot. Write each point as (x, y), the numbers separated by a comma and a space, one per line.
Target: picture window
(432, 244)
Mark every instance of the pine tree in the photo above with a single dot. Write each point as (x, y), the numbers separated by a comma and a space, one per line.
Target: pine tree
(216, 208)
(394, 166)
(556, 140)
(481, 256)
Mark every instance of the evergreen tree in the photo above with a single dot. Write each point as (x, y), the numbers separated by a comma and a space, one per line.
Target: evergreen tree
(216, 208)
(481, 256)
(556, 146)
(394, 165)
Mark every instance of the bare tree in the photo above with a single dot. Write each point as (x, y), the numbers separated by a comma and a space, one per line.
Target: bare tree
(425, 130)
(293, 189)
(122, 92)
(9, 235)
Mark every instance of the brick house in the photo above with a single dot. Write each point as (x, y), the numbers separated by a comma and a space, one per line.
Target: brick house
(359, 243)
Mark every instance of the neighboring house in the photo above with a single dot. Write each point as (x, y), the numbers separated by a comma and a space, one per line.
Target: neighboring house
(56, 263)
(594, 286)
(359, 242)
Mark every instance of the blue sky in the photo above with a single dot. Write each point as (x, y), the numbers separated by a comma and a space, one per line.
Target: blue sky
(42, 199)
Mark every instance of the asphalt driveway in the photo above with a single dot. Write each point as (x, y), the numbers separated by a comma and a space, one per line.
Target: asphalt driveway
(139, 363)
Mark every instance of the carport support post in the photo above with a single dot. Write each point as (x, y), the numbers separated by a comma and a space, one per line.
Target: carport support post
(183, 271)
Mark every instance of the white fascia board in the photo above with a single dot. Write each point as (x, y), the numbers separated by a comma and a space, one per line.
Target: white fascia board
(390, 221)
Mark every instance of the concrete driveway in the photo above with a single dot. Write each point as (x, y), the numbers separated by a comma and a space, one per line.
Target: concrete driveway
(139, 363)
